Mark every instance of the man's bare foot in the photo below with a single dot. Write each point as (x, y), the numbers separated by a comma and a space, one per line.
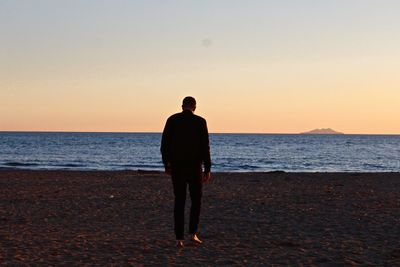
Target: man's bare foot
(195, 239)
(179, 243)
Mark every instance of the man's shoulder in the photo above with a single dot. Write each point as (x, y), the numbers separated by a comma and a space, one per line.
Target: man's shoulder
(199, 118)
(180, 115)
(174, 116)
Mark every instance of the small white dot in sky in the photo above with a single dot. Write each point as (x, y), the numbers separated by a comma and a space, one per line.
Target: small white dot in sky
(206, 42)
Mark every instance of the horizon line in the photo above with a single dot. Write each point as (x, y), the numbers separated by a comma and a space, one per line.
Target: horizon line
(151, 132)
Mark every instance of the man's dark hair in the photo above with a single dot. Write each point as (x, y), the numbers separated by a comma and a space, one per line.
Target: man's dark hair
(189, 102)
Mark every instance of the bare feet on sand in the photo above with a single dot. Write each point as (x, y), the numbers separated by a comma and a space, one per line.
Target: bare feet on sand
(179, 243)
(195, 239)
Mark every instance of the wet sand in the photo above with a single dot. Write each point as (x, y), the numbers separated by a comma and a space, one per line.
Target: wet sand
(125, 218)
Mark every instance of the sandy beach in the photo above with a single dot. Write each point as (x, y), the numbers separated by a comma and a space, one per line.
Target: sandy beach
(273, 219)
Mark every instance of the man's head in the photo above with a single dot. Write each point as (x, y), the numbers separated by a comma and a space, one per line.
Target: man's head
(189, 103)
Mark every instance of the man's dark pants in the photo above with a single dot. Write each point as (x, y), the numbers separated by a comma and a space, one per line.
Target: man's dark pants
(181, 178)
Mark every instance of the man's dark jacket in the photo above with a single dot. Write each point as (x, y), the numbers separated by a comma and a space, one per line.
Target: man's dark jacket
(185, 141)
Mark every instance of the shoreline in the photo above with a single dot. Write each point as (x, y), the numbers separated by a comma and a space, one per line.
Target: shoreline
(5, 169)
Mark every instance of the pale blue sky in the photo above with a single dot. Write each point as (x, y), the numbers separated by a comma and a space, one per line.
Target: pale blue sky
(231, 50)
(246, 28)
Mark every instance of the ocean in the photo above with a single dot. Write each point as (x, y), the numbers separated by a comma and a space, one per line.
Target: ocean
(229, 152)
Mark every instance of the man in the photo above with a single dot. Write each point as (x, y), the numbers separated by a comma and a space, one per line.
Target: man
(185, 151)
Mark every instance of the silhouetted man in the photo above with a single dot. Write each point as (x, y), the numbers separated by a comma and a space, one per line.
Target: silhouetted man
(185, 151)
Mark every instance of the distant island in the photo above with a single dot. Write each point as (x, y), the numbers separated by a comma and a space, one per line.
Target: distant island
(323, 131)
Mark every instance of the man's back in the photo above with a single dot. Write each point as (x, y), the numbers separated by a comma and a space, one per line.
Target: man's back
(185, 148)
(185, 141)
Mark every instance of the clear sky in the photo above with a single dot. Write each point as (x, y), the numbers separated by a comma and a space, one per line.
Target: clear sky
(253, 65)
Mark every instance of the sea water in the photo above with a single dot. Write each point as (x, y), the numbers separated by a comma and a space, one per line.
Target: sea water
(229, 152)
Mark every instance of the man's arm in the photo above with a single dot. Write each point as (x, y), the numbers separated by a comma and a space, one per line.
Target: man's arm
(166, 146)
(206, 149)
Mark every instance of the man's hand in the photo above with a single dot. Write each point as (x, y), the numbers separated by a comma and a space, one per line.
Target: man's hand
(168, 169)
(206, 177)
